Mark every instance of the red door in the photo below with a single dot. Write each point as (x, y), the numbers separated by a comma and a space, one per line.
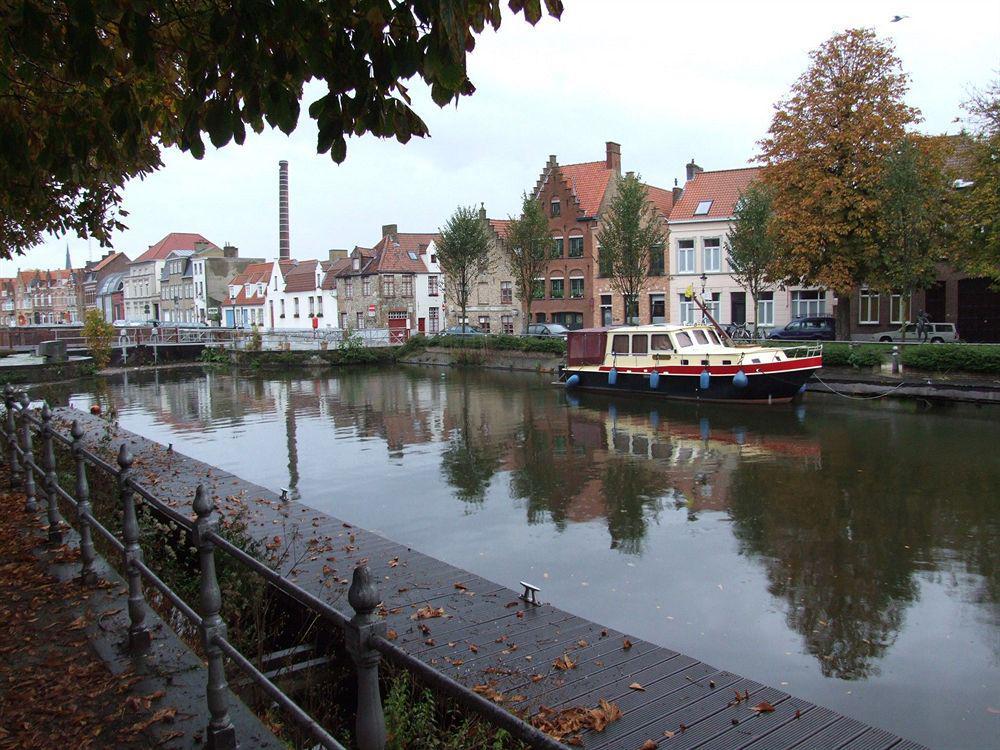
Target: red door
(397, 328)
(420, 325)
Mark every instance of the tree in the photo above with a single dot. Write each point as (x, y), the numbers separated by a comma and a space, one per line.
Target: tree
(99, 335)
(750, 246)
(629, 233)
(978, 202)
(464, 254)
(90, 92)
(824, 158)
(913, 221)
(526, 246)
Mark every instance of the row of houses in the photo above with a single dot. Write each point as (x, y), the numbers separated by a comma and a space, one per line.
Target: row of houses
(396, 283)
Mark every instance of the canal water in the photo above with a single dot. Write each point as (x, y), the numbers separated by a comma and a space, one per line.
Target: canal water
(845, 551)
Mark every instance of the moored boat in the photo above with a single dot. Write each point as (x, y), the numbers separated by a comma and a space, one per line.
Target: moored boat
(695, 362)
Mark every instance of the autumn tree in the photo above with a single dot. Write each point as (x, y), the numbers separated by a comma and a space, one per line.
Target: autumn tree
(91, 91)
(750, 246)
(99, 335)
(463, 252)
(825, 155)
(627, 238)
(526, 246)
(978, 201)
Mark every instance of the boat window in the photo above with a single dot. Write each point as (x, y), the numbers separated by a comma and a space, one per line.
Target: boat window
(660, 342)
(640, 344)
(699, 336)
(713, 337)
(619, 344)
(683, 340)
(727, 361)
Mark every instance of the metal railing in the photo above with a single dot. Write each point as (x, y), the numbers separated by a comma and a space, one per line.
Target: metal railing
(365, 632)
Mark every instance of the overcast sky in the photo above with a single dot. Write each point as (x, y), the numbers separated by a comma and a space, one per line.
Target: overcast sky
(669, 81)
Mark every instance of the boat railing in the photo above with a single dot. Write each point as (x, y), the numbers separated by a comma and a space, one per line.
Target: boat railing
(803, 351)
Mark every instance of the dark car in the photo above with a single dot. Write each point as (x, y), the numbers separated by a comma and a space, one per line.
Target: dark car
(548, 330)
(807, 329)
(465, 330)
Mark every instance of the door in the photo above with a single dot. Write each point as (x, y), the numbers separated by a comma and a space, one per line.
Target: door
(397, 328)
(657, 308)
(935, 302)
(230, 318)
(738, 304)
(420, 325)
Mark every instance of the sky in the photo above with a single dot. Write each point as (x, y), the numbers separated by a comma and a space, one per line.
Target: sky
(669, 81)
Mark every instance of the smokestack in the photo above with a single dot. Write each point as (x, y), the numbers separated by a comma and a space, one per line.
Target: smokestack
(613, 157)
(284, 245)
(692, 169)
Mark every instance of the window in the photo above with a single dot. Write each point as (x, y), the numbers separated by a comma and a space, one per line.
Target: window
(343, 320)
(808, 303)
(281, 304)
(312, 309)
(407, 286)
(685, 256)
(433, 326)
(683, 340)
(348, 288)
(868, 307)
(713, 337)
(765, 309)
(557, 288)
(411, 255)
(540, 317)
(687, 311)
(899, 308)
(576, 287)
(506, 292)
(699, 336)
(631, 309)
(484, 323)
(319, 305)
(619, 344)
(713, 255)
(656, 261)
(640, 344)
(606, 316)
(538, 289)
(660, 342)
(295, 306)
(366, 286)
(657, 308)
(507, 324)
(388, 286)
(714, 305)
(432, 286)
(556, 207)
(703, 208)
(576, 247)
(557, 248)
(361, 320)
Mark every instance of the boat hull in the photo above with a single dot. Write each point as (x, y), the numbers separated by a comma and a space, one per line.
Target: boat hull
(776, 386)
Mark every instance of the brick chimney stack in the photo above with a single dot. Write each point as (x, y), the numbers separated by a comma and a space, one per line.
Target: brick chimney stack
(284, 233)
(678, 192)
(692, 169)
(613, 157)
(389, 230)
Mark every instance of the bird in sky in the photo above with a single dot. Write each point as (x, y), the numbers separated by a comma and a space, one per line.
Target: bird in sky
(897, 19)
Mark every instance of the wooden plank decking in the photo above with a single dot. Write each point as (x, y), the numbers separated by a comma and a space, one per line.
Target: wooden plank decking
(487, 636)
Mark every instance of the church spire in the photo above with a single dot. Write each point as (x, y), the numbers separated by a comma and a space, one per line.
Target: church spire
(69, 266)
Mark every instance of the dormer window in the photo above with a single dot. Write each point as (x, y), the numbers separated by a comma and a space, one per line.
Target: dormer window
(703, 208)
(357, 264)
(556, 207)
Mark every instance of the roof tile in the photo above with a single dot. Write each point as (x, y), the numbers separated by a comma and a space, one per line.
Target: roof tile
(722, 187)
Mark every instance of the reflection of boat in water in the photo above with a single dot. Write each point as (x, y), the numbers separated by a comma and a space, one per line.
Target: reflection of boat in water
(686, 362)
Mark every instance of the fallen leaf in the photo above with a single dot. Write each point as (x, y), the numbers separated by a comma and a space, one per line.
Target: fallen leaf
(668, 734)
(582, 643)
(537, 677)
(649, 745)
(626, 644)
(427, 612)
(391, 634)
(474, 648)
(564, 662)
(460, 586)
(636, 686)
(763, 708)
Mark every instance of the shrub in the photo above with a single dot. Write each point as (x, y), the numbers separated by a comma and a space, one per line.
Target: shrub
(844, 355)
(501, 342)
(99, 334)
(953, 358)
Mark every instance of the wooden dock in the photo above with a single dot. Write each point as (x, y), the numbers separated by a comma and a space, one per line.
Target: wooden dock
(535, 660)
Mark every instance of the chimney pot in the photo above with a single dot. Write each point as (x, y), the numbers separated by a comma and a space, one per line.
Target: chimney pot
(337, 254)
(230, 251)
(482, 212)
(613, 156)
(389, 230)
(692, 169)
(678, 192)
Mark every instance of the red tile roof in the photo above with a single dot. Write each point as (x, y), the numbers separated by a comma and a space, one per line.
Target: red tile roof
(392, 254)
(662, 199)
(500, 226)
(589, 182)
(173, 241)
(255, 273)
(333, 270)
(722, 187)
(105, 261)
(302, 277)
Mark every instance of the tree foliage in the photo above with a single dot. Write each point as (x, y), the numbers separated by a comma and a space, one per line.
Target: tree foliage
(630, 231)
(100, 335)
(978, 203)
(750, 245)
(92, 90)
(526, 246)
(825, 152)
(464, 254)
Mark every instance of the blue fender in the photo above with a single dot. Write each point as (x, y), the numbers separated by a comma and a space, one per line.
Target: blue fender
(740, 379)
(613, 376)
(572, 381)
(704, 380)
(654, 380)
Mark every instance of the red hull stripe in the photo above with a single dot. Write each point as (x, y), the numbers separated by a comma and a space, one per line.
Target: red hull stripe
(806, 363)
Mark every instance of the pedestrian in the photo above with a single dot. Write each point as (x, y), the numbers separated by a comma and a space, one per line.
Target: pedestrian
(923, 326)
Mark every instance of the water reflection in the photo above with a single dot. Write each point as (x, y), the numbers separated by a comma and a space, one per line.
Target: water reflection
(866, 533)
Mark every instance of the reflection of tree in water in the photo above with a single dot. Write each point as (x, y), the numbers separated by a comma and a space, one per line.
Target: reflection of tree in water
(845, 547)
(470, 459)
(632, 491)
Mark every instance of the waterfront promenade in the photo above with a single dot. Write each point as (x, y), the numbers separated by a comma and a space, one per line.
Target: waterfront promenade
(534, 660)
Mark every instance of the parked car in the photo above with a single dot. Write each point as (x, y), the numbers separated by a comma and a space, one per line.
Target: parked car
(548, 330)
(463, 330)
(807, 329)
(937, 333)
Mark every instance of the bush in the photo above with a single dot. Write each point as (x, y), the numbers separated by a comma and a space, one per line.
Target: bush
(501, 342)
(953, 358)
(844, 355)
(100, 334)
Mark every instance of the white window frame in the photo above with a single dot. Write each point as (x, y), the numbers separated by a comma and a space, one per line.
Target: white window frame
(687, 311)
(765, 311)
(868, 303)
(812, 307)
(896, 308)
(715, 251)
(691, 254)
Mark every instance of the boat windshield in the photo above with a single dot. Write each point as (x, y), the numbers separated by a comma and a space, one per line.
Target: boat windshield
(639, 344)
(699, 336)
(683, 340)
(660, 342)
(714, 337)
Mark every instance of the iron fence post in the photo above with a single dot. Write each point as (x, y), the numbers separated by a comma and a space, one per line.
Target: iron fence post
(51, 478)
(30, 503)
(138, 633)
(88, 556)
(10, 428)
(895, 360)
(221, 732)
(358, 634)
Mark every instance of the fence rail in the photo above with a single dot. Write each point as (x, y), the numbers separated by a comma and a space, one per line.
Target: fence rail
(364, 631)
